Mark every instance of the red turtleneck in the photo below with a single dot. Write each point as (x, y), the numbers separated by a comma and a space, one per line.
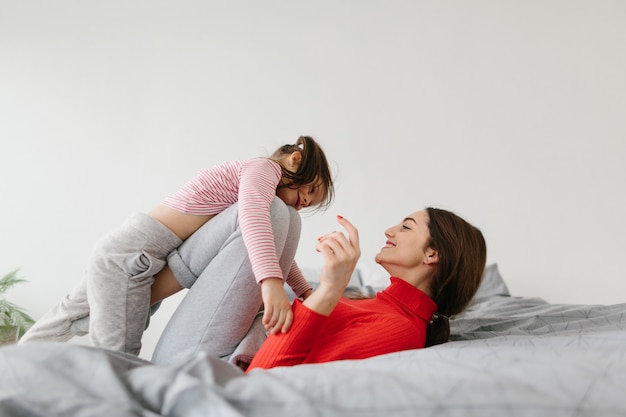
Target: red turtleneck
(394, 320)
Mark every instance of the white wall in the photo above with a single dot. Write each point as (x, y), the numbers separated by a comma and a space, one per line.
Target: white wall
(511, 113)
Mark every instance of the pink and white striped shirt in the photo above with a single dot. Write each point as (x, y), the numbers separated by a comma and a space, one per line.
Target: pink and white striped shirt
(253, 184)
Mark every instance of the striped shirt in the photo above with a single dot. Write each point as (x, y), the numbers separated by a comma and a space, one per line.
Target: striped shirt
(253, 184)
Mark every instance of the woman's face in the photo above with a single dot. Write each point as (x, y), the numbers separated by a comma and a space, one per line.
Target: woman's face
(406, 247)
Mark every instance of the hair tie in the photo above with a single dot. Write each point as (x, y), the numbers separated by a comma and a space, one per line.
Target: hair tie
(436, 316)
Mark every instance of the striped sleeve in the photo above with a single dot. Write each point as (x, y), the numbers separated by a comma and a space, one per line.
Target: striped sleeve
(257, 190)
(297, 281)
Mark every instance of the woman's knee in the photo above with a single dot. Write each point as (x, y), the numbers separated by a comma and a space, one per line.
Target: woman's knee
(295, 221)
(284, 215)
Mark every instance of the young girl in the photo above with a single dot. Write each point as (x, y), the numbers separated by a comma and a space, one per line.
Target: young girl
(117, 290)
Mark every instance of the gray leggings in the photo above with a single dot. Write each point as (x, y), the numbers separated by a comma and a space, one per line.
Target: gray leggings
(223, 300)
(114, 298)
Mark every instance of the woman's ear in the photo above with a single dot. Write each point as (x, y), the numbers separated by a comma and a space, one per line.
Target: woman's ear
(432, 257)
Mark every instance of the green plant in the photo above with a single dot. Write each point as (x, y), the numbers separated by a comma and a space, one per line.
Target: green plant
(13, 320)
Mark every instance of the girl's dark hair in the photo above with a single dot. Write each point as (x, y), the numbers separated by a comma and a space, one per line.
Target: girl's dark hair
(313, 169)
(462, 256)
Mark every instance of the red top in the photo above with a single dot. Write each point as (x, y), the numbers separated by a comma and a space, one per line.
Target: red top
(356, 329)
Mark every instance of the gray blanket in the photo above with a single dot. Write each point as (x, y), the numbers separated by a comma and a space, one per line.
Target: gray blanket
(509, 357)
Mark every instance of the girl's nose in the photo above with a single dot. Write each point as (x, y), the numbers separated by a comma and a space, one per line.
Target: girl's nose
(305, 198)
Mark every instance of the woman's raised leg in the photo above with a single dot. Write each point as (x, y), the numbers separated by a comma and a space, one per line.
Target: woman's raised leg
(223, 297)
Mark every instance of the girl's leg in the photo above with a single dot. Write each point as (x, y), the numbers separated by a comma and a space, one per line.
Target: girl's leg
(223, 296)
(118, 281)
(55, 325)
(165, 284)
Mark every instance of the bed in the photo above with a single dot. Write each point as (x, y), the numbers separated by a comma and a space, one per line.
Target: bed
(508, 356)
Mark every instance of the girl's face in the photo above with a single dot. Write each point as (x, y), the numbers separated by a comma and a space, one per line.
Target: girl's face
(406, 247)
(303, 196)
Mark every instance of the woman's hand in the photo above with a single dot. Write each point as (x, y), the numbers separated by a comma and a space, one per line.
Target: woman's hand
(341, 254)
(277, 314)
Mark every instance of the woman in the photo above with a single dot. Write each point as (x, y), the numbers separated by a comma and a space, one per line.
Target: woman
(435, 258)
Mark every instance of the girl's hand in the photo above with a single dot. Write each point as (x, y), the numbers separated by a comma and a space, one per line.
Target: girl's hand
(341, 254)
(278, 315)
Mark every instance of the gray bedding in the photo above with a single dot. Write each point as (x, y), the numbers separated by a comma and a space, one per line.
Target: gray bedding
(510, 356)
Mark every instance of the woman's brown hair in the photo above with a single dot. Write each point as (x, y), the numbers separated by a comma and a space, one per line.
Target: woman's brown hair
(313, 169)
(462, 256)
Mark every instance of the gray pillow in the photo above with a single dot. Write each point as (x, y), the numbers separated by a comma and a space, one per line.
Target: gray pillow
(493, 285)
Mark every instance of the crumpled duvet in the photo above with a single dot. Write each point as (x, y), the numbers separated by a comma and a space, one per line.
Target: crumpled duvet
(510, 357)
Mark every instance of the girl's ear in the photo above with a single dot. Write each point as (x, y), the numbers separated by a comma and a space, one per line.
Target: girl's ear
(432, 257)
(294, 160)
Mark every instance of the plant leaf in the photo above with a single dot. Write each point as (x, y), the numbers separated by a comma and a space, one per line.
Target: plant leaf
(10, 314)
(9, 280)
